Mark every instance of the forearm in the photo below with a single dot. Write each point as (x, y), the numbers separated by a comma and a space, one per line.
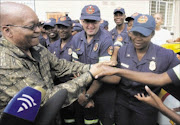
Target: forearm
(74, 87)
(170, 114)
(111, 79)
(146, 78)
(94, 88)
(115, 53)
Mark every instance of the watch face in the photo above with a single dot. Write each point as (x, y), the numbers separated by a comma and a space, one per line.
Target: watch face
(87, 96)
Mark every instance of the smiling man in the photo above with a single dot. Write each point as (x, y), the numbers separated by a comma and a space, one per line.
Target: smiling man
(90, 46)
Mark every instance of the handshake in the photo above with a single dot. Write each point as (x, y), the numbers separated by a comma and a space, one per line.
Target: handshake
(103, 68)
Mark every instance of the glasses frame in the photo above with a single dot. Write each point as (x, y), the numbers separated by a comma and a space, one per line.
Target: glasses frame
(32, 27)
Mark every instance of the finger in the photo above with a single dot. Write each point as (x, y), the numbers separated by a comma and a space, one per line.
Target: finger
(152, 94)
(100, 75)
(142, 95)
(149, 91)
(138, 96)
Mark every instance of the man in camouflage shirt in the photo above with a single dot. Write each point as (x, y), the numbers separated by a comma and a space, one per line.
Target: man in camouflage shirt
(24, 62)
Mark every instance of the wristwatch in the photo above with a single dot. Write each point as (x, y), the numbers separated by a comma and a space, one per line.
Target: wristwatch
(87, 96)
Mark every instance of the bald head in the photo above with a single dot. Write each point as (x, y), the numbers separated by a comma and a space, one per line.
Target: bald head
(19, 25)
(11, 13)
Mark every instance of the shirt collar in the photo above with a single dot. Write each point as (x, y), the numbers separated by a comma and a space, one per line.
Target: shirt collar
(150, 54)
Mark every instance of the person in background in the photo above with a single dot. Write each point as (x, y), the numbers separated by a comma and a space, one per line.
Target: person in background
(130, 20)
(119, 33)
(161, 35)
(104, 25)
(52, 33)
(43, 36)
(63, 50)
(77, 27)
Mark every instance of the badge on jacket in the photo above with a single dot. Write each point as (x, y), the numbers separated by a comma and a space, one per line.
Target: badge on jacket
(69, 51)
(152, 65)
(95, 47)
(110, 50)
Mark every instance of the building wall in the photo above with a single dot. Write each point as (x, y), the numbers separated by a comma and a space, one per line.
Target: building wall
(106, 7)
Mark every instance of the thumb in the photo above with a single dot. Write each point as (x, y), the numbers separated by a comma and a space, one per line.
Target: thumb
(99, 75)
(150, 92)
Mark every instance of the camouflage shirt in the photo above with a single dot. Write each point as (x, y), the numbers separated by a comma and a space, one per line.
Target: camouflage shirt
(18, 70)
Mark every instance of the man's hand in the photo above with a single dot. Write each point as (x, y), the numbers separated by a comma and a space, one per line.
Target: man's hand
(151, 99)
(90, 104)
(99, 68)
(82, 99)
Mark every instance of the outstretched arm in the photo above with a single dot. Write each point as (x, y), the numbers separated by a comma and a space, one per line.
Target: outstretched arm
(142, 77)
(156, 102)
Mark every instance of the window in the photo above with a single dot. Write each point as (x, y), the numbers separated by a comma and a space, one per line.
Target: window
(166, 8)
(55, 15)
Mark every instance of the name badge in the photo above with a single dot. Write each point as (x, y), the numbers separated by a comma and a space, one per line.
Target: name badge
(152, 65)
(124, 65)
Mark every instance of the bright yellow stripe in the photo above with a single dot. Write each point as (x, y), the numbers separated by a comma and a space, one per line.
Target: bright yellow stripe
(74, 55)
(89, 122)
(104, 58)
(69, 120)
(177, 71)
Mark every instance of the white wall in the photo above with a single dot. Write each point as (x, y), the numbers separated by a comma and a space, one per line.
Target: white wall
(106, 7)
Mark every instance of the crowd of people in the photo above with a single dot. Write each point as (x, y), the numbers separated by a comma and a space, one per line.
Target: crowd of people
(103, 71)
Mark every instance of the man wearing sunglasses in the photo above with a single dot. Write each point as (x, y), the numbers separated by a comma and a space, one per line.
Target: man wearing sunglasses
(24, 62)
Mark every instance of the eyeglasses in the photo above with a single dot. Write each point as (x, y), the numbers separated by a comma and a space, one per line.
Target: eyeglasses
(32, 27)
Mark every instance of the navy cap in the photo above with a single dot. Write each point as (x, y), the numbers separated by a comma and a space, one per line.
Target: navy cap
(104, 24)
(119, 9)
(132, 16)
(50, 22)
(90, 12)
(144, 24)
(77, 27)
(64, 20)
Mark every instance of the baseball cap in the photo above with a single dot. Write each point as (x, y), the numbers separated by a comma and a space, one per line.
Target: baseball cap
(77, 27)
(104, 24)
(64, 20)
(144, 24)
(90, 12)
(50, 22)
(132, 16)
(119, 9)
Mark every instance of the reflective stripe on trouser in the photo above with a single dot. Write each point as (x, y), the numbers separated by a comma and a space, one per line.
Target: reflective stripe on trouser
(69, 120)
(89, 122)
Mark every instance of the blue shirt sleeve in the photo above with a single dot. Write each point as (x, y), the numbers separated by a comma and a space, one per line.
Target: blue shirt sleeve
(174, 74)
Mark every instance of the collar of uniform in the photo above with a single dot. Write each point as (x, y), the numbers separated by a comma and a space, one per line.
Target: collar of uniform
(95, 38)
(150, 54)
(124, 30)
(57, 43)
(68, 44)
(47, 42)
